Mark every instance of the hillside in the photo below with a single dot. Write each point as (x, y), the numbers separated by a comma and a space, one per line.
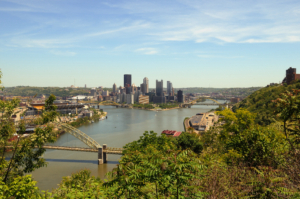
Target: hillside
(260, 102)
(57, 91)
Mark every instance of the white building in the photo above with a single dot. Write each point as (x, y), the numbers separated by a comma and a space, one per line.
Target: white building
(129, 98)
(105, 93)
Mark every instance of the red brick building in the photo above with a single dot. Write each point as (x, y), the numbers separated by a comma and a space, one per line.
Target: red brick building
(291, 76)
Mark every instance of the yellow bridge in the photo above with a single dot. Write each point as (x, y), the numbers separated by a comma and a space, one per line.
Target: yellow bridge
(195, 101)
(90, 142)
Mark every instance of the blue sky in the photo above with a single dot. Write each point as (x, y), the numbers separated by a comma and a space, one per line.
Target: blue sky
(190, 43)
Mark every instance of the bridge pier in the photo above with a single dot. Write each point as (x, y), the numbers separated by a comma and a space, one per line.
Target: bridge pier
(100, 155)
(104, 154)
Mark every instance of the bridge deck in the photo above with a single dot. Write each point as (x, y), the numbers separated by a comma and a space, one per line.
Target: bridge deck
(107, 151)
(117, 151)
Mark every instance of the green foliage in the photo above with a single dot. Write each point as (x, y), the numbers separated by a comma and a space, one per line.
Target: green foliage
(168, 105)
(260, 102)
(156, 172)
(288, 111)
(79, 185)
(189, 141)
(149, 138)
(20, 187)
(86, 120)
(244, 141)
(242, 92)
(145, 106)
(49, 106)
(24, 159)
(57, 91)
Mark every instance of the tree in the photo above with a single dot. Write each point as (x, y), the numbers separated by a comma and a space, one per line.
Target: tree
(24, 159)
(189, 141)
(288, 111)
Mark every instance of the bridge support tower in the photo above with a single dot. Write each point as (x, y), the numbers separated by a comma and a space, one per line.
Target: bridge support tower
(102, 156)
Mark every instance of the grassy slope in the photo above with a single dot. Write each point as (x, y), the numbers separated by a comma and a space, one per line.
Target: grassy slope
(260, 102)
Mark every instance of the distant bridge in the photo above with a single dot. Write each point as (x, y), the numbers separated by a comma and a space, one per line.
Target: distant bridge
(194, 102)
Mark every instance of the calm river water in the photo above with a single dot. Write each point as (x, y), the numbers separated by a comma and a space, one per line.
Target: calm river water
(122, 126)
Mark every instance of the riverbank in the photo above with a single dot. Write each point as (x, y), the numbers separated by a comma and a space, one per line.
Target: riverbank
(86, 120)
(166, 109)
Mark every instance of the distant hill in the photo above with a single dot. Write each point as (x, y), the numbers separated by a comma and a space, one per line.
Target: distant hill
(260, 102)
(58, 91)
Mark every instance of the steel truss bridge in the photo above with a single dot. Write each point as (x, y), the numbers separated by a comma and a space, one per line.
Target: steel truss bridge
(90, 142)
(195, 102)
(93, 145)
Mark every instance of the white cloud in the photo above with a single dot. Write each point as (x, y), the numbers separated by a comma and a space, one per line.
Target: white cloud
(63, 53)
(198, 21)
(42, 43)
(147, 51)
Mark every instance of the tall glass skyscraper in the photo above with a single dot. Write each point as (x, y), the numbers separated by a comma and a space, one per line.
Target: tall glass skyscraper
(146, 85)
(127, 80)
(169, 88)
(159, 88)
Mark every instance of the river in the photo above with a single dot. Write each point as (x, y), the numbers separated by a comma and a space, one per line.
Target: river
(122, 126)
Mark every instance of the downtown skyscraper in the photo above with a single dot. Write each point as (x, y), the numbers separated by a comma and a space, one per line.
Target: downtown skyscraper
(127, 80)
(169, 88)
(159, 88)
(146, 85)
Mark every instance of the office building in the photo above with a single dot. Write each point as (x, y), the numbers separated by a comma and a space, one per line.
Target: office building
(146, 85)
(159, 99)
(114, 88)
(133, 88)
(144, 99)
(143, 88)
(129, 98)
(180, 97)
(151, 95)
(127, 80)
(93, 92)
(169, 87)
(128, 89)
(159, 88)
(122, 98)
(136, 96)
(170, 98)
(105, 93)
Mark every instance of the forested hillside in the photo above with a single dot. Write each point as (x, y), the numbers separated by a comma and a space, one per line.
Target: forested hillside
(57, 91)
(260, 102)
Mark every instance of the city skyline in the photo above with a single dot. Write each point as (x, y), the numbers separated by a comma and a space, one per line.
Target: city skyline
(218, 44)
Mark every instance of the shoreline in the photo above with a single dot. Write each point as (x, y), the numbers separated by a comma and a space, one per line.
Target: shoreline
(156, 110)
